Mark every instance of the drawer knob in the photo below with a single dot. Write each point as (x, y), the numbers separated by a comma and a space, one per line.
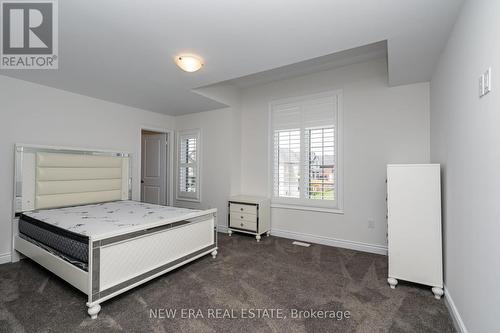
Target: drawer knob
(241, 216)
(241, 208)
(241, 224)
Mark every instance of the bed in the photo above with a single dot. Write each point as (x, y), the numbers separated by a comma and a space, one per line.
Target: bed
(76, 219)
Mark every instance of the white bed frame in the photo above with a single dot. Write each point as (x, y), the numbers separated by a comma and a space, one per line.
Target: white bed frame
(48, 177)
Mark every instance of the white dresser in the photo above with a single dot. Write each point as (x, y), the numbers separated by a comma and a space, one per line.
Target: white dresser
(414, 225)
(249, 214)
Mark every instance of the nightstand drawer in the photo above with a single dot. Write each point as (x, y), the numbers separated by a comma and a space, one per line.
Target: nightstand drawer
(239, 208)
(242, 216)
(237, 222)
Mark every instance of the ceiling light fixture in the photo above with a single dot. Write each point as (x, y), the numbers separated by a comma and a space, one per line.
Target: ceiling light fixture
(189, 62)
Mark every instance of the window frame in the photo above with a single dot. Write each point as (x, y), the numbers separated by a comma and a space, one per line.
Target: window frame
(182, 195)
(330, 206)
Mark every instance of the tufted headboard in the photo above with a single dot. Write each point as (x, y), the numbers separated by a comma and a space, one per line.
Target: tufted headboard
(53, 177)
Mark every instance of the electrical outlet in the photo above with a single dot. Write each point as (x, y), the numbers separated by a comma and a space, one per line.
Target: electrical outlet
(371, 224)
(487, 81)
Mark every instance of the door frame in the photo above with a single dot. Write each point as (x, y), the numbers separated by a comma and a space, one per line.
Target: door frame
(170, 160)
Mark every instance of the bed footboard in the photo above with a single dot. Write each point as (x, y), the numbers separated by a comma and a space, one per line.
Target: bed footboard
(122, 262)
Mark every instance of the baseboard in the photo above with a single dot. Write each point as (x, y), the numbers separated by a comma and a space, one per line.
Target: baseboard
(347, 244)
(4, 258)
(455, 315)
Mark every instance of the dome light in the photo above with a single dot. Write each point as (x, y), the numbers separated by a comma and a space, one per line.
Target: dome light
(189, 63)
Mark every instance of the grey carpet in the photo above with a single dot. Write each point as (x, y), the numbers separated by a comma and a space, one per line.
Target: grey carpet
(272, 274)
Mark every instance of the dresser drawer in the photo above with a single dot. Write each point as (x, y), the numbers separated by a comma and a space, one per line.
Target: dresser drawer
(243, 216)
(240, 208)
(237, 222)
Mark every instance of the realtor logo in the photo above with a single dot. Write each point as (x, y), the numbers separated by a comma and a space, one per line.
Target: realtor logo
(29, 37)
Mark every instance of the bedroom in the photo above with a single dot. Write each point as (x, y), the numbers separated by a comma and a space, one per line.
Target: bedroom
(402, 83)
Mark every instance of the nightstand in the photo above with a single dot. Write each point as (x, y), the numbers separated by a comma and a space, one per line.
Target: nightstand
(250, 215)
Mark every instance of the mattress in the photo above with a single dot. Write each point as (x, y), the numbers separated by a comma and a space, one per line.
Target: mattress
(68, 231)
(79, 263)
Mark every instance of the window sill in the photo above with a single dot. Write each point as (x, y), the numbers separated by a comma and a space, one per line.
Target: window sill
(187, 199)
(308, 208)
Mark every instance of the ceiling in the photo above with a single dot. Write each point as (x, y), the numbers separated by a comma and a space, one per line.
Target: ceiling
(122, 51)
(324, 63)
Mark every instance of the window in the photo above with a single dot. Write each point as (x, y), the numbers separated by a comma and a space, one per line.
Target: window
(320, 163)
(287, 163)
(188, 175)
(305, 140)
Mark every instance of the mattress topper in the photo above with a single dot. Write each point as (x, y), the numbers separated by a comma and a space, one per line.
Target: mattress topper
(112, 218)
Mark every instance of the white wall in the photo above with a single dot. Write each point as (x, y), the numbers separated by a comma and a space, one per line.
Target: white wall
(35, 114)
(465, 139)
(230, 117)
(220, 158)
(382, 125)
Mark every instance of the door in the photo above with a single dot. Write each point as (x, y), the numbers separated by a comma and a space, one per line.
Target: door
(154, 168)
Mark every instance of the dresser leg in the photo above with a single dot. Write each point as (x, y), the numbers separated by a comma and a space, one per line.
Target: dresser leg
(392, 282)
(268, 233)
(257, 238)
(229, 232)
(93, 310)
(438, 292)
(214, 254)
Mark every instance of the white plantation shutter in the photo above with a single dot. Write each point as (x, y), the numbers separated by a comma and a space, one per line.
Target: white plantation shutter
(286, 116)
(319, 112)
(188, 176)
(304, 167)
(187, 157)
(319, 163)
(287, 163)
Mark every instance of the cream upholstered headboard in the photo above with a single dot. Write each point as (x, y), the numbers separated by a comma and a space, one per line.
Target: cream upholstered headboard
(50, 177)
(73, 179)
